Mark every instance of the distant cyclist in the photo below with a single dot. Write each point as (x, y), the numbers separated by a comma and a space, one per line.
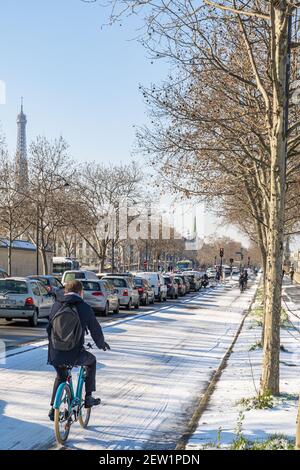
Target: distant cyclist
(70, 319)
(246, 277)
(242, 281)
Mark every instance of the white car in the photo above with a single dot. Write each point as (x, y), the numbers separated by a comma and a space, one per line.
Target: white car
(24, 298)
(101, 296)
(156, 281)
(78, 275)
(128, 295)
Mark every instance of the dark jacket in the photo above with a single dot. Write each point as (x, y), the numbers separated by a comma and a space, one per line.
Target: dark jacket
(88, 322)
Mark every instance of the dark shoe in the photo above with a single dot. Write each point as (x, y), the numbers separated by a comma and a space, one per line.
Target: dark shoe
(91, 401)
(51, 414)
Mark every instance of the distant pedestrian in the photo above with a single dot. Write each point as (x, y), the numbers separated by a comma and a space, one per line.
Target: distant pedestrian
(218, 275)
(292, 272)
(283, 274)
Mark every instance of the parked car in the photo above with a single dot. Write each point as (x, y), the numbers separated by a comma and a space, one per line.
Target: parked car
(181, 285)
(101, 296)
(194, 280)
(80, 275)
(128, 295)
(3, 274)
(157, 283)
(50, 282)
(24, 298)
(145, 291)
(186, 282)
(172, 287)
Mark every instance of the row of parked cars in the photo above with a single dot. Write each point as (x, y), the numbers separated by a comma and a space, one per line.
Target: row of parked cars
(32, 297)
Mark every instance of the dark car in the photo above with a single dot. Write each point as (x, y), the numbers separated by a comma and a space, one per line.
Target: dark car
(172, 287)
(144, 289)
(50, 282)
(186, 282)
(195, 283)
(181, 286)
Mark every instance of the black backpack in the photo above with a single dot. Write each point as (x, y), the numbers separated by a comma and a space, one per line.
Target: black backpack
(66, 328)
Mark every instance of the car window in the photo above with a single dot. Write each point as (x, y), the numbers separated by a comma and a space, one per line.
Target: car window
(139, 282)
(71, 276)
(13, 287)
(44, 281)
(43, 290)
(91, 286)
(35, 288)
(57, 283)
(118, 282)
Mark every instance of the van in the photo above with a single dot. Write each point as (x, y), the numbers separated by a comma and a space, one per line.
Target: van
(79, 275)
(157, 282)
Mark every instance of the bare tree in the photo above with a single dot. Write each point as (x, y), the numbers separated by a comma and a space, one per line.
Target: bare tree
(240, 53)
(13, 206)
(51, 170)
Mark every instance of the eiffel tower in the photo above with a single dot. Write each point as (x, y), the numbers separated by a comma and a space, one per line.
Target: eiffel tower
(21, 153)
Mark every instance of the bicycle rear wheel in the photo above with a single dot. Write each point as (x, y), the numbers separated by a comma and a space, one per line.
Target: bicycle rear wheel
(84, 416)
(62, 416)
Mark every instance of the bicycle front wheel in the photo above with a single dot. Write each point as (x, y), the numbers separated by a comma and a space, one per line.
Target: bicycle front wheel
(84, 416)
(62, 419)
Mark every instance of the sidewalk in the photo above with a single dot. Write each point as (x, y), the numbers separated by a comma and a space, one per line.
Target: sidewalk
(226, 421)
(149, 382)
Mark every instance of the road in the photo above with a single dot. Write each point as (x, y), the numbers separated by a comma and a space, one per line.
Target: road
(18, 332)
(159, 366)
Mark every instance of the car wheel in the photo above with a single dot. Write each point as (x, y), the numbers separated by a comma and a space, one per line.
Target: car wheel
(165, 299)
(106, 310)
(137, 306)
(152, 301)
(116, 310)
(33, 321)
(8, 319)
(147, 300)
(129, 305)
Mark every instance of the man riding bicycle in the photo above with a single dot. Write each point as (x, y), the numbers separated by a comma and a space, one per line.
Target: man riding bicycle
(242, 281)
(60, 355)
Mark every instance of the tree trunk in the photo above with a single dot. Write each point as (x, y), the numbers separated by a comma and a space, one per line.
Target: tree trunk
(9, 258)
(44, 261)
(278, 147)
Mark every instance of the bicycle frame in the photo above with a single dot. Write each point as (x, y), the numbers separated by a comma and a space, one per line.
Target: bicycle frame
(75, 397)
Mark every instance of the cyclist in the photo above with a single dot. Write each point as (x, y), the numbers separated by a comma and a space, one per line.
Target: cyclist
(242, 281)
(246, 277)
(59, 358)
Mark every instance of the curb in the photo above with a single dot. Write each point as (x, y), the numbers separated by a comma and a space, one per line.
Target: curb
(205, 398)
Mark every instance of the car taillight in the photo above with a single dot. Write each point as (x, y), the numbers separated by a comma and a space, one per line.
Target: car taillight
(29, 302)
(125, 292)
(141, 289)
(97, 294)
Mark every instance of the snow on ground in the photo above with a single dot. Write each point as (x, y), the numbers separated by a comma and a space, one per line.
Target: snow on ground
(149, 382)
(241, 380)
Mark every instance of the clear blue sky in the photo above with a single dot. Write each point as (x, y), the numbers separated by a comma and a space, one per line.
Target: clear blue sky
(78, 80)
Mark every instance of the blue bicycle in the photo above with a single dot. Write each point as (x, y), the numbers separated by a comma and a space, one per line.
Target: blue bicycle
(69, 406)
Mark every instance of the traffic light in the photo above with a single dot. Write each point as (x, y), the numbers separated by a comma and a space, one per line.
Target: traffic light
(221, 252)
